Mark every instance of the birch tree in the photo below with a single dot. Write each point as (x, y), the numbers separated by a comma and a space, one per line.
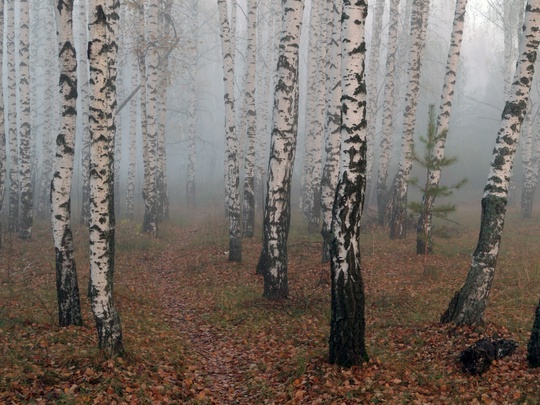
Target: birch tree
(102, 53)
(423, 231)
(151, 12)
(385, 147)
(347, 322)
(25, 175)
(232, 169)
(251, 121)
(193, 46)
(13, 220)
(67, 288)
(330, 175)
(468, 304)
(314, 118)
(530, 148)
(277, 212)
(3, 152)
(419, 21)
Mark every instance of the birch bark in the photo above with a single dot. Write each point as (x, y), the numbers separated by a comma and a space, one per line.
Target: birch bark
(67, 288)
(3, 152)
(347, 322)
(273, 259)
(419, 21)
(101, 47)
(232, 170)
(330, 175)
(468, 304)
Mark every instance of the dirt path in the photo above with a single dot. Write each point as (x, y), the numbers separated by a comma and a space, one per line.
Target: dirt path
(217, 362)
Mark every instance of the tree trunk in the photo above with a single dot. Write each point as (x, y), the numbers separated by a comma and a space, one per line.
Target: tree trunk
(13, 221)
(191, 192)
(467, 306)
(3, 151)
(251, 122)
(388, 115)
(67, 288)
(419, 21)
(130, 186)
(277, 213)
(423, 236)
(531, 164)
(533, 346)
(347, 322)
(232, 169)
(330, 174)
(102, 226)
(151, 12)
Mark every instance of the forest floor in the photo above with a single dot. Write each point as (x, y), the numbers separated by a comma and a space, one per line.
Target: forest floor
(197, 330)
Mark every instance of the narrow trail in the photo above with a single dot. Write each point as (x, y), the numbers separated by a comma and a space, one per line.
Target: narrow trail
(217, 362)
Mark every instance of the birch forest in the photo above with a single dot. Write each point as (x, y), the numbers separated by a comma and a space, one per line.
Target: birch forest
(269, 202)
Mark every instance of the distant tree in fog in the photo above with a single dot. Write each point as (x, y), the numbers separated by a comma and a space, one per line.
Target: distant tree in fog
(468, 305)
(150, 135)
(443, 120)
(13, 219)
(251, 121)
(232, 169)
(67, 288)
(400, 186)
(388, 124)
(347, 321)
(3, 152)
(272, 263)
(530, 155)
(314, 126)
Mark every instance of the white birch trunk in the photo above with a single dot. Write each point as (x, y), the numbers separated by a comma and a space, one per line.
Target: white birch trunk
(132, 165)
(67, 288)
(372, 80)
(468, 305)
(314, 118)
(330, 175)
(232, 170)
(151, 11)
(419, 21)
(101, 180)
(191, 191)
(251, 122)
(13, 221)
(385, 146)
(273, 259)
(423, 239)
(84, 101)
(3, 151)
(347, 322)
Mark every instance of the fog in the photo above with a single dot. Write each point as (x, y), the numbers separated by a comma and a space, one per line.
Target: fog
(474, 124)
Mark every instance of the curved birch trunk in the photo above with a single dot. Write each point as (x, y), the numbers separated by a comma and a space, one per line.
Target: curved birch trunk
(424, 243)
(468, 305)
(232, 170)
(277, 213)
(67, 288)
(347, 321)
(419, 21)
(102, 226)
(385, 147)
(151, 11)
(330, 175)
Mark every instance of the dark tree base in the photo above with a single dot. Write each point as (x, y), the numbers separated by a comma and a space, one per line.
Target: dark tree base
(533, 347)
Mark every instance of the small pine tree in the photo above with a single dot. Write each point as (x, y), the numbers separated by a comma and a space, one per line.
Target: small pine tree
(429, 161)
